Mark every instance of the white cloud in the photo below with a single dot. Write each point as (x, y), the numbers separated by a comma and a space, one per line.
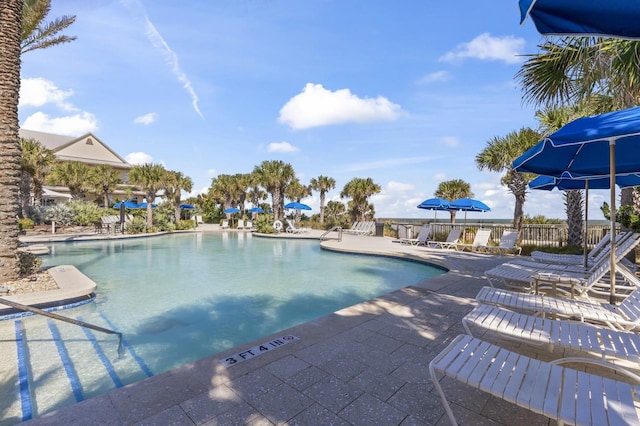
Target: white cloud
(439, 176)
(435, 77)
(138, 158)
(316, 106)
(73, 125)
(399, 186)
(281, 147)
(212, 172)
(36, 92)
(146, 119)
(486, 47)
(450, 141)
(196, 192)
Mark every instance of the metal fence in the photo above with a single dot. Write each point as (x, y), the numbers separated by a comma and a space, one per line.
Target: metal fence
(531, 234)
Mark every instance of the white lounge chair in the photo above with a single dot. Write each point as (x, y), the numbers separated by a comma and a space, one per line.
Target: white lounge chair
(240, 224)
(577, 259)
(423, 236)
(353, 228)
(624, 316)
(507, 243)
(249, 225)
(588, 339)
(521, 274)
(225, 224)
(563, 394)
(451, 241)
(291, 228)
(480, 241)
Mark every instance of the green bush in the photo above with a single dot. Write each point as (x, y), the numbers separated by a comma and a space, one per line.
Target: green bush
(184, 224)
(86, 213)
(61, 214)
(136, 226)
(264, 224)
(29, 263)
(25, 223)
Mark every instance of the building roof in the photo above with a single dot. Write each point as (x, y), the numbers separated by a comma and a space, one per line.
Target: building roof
(86, 148)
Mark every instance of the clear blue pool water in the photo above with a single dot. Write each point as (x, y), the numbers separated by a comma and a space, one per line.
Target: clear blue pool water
(182, 297)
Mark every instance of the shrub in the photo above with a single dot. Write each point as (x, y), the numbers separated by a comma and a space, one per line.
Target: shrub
(264, 224)
(136, 226)
(25, 223)
(184, 224)
(29, 263)
(86, 213)
(60, 213)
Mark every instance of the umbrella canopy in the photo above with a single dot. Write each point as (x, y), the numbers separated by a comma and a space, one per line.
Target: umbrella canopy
(616, 18)
(255, 210)
(144, 205)
(127, 205)
(186, 206)
(548, 183)
(434, 204)
(468, 205)
(232, 210)
(596, 146)
(297, 206)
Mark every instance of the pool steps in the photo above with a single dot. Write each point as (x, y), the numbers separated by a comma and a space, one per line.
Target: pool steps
(57, 364)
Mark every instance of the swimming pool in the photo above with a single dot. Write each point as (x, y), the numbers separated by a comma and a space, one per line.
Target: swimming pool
(182, 297)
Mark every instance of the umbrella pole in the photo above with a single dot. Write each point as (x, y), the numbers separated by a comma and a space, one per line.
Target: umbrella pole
(612, 183)
(586, 223)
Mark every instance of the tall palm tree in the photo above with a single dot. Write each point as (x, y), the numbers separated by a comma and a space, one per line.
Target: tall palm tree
(38, 34)
(275, 176)
(72, 174)
(174, 184)
(103, 180)
(10, 28)
(229, 190)
(150, 178)
(452, 190)
(36, 162)
(296, 192)
(498, 155)
(323, 184)
(359, 190)
(601, 71)
(254, 192)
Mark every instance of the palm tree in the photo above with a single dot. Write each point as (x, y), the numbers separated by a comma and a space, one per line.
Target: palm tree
(452, 190)
(603, 72)
(323, 184)
(150, 178)
(103, 180)
(12, 22)
(296, 192)
(498, 155)
(174, 184)
(229, 190)
(10, 26)
(573, 202)
(254, 192)
(275, 176)
(72, 174)
(37, 34)
(36, 162)
(359, 190)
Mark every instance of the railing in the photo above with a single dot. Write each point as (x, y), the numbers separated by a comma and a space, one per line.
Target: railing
(531, 234)
(335, 228)
(51, 315)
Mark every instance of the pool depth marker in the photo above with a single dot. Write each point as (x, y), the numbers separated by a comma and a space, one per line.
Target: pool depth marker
(257, 350)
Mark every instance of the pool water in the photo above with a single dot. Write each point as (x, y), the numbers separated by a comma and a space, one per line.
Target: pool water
(182, 297)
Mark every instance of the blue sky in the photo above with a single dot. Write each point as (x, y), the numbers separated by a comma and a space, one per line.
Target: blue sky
(406, 93)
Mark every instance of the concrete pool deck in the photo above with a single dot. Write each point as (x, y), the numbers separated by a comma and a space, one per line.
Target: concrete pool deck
(365, 364)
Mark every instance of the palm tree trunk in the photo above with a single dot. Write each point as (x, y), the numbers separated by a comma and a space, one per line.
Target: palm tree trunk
(10, 154)
(25, 193)
(518, 213)
(322, 196)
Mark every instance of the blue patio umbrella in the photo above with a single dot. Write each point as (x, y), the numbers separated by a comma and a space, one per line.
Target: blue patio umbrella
(127, 205)
(589, 147)
(297, 206)
(187, 206)
(434, 204)
(255, 210)
(614, 18)
(144, 205)
(232, 210)
(468, 205)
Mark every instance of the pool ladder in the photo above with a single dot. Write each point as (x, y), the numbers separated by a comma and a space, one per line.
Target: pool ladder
(51, 315)
(324, 237)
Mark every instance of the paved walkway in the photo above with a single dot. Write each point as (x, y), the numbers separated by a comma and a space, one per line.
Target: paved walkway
(363, 365)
